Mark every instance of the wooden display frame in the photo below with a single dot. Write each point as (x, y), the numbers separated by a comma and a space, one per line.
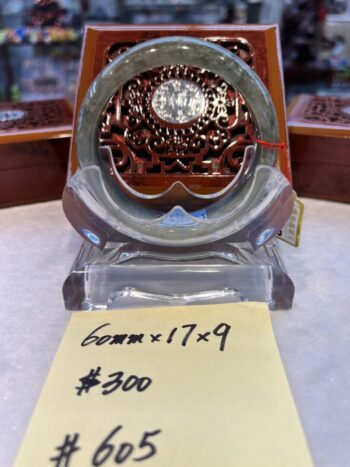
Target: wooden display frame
(264, 40)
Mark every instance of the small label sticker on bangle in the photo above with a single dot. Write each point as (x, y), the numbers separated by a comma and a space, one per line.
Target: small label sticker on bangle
(290, 233)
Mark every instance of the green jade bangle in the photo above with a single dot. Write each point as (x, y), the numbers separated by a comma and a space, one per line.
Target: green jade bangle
(254, 210)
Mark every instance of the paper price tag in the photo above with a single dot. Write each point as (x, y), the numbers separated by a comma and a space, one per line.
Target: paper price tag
(182, 386)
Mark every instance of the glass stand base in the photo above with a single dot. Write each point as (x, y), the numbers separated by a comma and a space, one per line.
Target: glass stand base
(134, 274)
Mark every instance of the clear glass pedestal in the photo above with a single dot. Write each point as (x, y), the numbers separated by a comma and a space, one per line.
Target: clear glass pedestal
(123, 275)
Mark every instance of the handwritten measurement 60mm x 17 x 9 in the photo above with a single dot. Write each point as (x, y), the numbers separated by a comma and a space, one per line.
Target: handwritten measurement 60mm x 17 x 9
(184, 335)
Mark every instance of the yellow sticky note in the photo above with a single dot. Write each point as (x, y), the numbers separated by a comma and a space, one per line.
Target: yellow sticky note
(183, 386)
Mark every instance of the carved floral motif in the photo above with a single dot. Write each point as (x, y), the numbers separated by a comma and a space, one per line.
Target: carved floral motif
(143, 143)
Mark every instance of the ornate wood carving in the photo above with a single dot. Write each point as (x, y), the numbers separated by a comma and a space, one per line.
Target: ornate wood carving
(239, 46)
(144, 144)
(327, 109)
(34, 115)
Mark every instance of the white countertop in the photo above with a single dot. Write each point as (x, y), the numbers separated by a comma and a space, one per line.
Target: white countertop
(37, 248)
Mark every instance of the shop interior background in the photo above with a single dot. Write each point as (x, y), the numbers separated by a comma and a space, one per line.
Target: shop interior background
(40, 41)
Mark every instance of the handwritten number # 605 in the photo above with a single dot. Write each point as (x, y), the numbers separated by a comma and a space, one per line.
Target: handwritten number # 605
(124, 451)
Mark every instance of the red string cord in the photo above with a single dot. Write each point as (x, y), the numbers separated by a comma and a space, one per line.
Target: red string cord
(269, 144)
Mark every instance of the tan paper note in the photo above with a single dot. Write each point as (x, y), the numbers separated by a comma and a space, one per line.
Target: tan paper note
(183, 386)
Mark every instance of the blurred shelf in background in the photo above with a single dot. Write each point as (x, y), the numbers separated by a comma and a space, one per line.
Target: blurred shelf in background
(40, 40)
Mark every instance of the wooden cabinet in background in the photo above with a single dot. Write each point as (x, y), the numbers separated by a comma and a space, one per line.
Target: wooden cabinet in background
(319, 137)
(34, 149)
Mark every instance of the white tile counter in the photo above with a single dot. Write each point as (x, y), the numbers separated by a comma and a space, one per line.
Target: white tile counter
(37, 248)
